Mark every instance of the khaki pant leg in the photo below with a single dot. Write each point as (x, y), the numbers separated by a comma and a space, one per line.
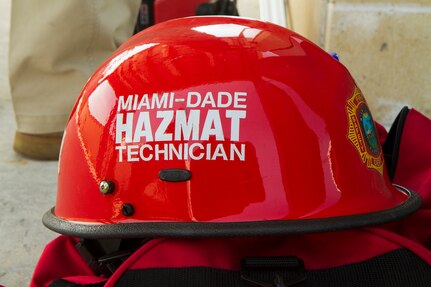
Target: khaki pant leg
(54, 47)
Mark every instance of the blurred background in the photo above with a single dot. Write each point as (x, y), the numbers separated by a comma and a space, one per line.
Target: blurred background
(386, 45)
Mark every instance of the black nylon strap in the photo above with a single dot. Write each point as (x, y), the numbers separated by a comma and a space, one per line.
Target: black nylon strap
(64, 283)
(272, 262)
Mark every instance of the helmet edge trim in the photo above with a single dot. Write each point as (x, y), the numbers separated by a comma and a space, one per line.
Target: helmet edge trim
(232, 229)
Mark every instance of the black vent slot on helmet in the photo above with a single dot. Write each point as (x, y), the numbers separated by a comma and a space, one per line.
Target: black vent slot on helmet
(175, 175)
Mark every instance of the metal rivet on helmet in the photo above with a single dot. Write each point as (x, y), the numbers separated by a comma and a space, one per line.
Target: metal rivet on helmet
(106, 186)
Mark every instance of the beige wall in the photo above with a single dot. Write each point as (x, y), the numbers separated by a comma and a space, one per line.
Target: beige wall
(248, 8)
(387, 47)
(385, 44)
(308, 18)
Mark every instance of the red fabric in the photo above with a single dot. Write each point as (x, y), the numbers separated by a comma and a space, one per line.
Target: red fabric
(420, 250)
(414, 161)
(318, 251)
(414, 172)
(170, 9)
(60, 259)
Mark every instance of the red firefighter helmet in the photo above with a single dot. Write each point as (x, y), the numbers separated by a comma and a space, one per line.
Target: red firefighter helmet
(221, 126)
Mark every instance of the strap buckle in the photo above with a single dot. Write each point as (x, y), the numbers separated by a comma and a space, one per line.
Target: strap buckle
(273, 271)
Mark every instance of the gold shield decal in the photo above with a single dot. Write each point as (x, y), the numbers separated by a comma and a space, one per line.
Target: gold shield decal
(362, 132)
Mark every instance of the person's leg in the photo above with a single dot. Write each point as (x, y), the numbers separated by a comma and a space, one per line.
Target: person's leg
(54, 47)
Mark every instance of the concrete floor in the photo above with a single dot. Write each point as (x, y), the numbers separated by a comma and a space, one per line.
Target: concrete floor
(27, 189)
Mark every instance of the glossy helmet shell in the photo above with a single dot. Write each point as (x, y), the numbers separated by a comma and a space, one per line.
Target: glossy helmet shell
(221, 126)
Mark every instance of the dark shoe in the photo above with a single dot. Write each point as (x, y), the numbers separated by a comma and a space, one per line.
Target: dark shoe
(40, 147)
